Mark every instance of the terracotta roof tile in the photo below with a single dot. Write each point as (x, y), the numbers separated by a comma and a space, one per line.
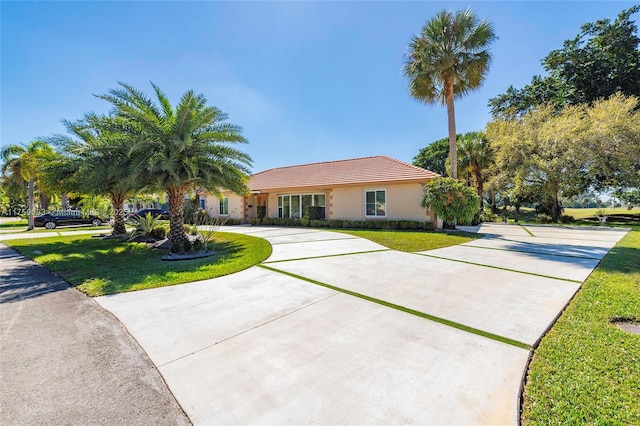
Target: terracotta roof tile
(366, 170)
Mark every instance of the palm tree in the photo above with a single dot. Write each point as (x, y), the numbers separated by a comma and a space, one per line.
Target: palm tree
(178, 148)
(475, 156)
(449, 58)
(26, 162)
(97, 162)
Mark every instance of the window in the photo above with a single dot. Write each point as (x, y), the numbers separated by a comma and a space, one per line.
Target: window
(375, 203)
(202, 202)
(224, 205)
(294, 206)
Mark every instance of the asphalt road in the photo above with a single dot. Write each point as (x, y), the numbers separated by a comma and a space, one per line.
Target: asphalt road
(65, 360)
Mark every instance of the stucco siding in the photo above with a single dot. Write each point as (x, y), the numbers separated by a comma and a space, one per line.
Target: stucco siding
(212, 205)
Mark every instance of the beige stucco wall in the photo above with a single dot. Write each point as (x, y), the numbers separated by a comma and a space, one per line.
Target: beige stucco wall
(402, 202)
(212, 205)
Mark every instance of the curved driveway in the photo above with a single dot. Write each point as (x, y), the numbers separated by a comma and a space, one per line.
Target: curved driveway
(320, 333)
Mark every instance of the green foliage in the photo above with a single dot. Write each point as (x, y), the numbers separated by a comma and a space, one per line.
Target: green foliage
(631, 197)
(448, 59)
(451, 199)
(565, 218)
(603, 59)
(146, 226)
(434, 156)
(544, 218)
(313, 212)
(261, 211)
(179, 148)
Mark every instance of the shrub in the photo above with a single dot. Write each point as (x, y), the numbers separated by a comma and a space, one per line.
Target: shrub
(314, 212)
(261, 211)
(544, 218)
(565, 218)
(158, 233)
(187, 228)
(451, 199)
(193, 230)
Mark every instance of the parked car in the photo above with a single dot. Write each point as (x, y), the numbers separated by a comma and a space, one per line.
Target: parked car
(67, 218)
(163, 214)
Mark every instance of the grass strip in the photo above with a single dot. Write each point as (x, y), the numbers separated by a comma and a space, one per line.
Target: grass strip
(498, 267)
(526, 230)
(407, 310)
(586, 370)
(326, 255)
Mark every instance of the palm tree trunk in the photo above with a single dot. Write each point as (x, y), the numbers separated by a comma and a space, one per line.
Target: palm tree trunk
(451, 119)
(65, 201)
(176, 215)
(31, 190)
(478, 175)
(119, 216)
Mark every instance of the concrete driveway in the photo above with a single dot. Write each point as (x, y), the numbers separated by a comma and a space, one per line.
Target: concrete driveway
(292, 341)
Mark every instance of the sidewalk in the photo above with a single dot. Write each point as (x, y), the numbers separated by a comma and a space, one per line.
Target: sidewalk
(65, 360)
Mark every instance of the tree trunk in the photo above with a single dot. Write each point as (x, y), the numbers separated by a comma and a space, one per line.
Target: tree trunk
(451, 119)
(478, 175)
(176, 215)
(517, 213)
(65, 201)
(44, 201)
(119, 215)
(31, 191)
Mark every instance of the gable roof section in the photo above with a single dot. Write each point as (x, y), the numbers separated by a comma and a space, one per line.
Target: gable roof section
(366, 170)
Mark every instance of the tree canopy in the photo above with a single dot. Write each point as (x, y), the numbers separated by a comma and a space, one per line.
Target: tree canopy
(448, 59)
(603, 59)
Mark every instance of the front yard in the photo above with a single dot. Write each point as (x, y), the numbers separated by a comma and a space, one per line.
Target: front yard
(98, 267)
(586, 370)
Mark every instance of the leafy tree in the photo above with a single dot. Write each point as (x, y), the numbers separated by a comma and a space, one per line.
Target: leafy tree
(178, 148)
(631, 197)
(475, 156)
(26, 162)
(97, 162)
(611, 142)
(603, 59)
(451, 199)
(539, 154)
(448, 59)
(434, 156)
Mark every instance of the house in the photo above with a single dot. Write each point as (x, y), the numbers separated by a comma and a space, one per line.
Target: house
(369, 188)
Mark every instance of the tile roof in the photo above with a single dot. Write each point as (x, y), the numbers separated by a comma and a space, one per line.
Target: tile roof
(366, 170)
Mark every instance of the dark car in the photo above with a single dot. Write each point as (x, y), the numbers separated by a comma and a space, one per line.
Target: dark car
(162, 214)
(67, 218)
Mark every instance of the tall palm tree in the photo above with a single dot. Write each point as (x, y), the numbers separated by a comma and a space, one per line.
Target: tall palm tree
(97, 162)
(178, 148)
(475, 156)
(26, 162)
(448, 59)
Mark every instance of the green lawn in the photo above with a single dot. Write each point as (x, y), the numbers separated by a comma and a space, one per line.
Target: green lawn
(586, 370)
(98, 267)
(413, 241)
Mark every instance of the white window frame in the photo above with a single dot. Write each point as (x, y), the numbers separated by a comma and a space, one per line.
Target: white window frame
(223, 202)
(300, 195)
(375, 192)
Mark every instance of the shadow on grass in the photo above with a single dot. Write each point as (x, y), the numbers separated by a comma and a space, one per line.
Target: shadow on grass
(622, 259)
(99, 267)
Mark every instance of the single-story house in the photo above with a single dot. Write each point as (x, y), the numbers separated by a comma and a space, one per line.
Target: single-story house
(369, 188)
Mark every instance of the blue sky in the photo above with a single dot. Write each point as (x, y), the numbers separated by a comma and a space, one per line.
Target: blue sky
(307, 81)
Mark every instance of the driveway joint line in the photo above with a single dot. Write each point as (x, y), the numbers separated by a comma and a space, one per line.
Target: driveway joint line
(529, 252)
(247, 330)
(499, 267)
(526, 230)
(326, 255)
(312, 241)
(410, 311)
